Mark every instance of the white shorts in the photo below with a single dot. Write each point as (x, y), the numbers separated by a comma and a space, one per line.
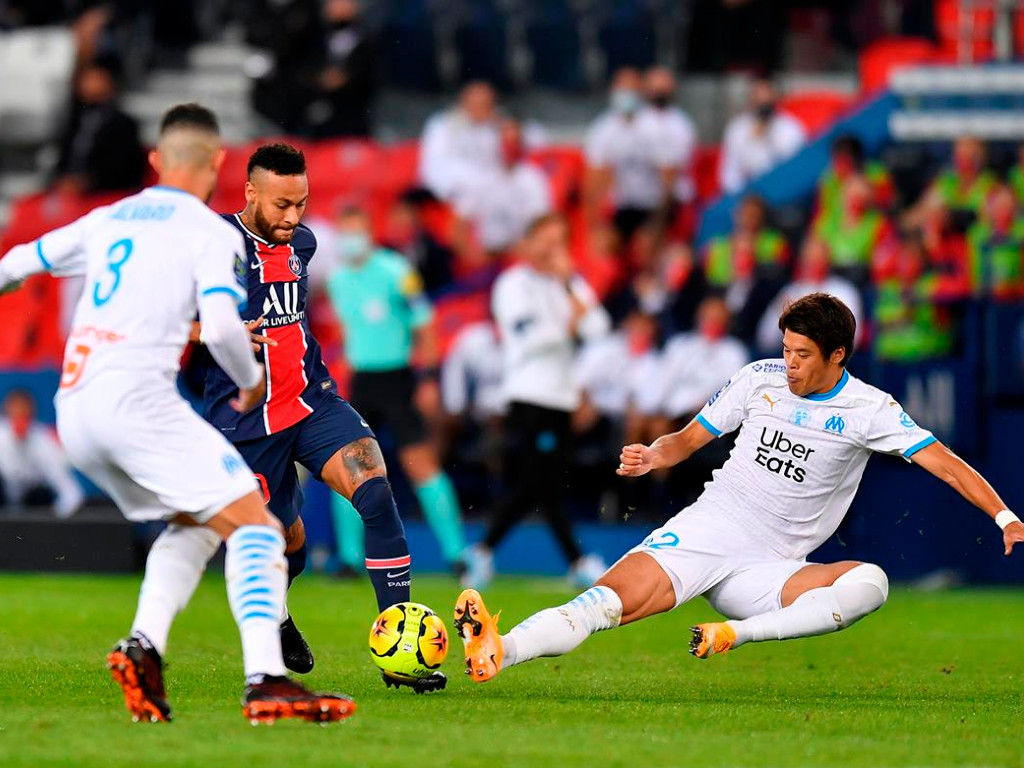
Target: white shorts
(704, 553)
(141, 443)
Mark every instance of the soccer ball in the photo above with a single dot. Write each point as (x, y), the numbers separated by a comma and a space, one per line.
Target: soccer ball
(408, 641)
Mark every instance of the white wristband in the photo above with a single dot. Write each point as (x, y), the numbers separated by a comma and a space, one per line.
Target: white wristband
(1006, 517)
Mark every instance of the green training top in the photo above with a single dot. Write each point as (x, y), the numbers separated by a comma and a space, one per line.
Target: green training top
(769, 249)
(380, 303)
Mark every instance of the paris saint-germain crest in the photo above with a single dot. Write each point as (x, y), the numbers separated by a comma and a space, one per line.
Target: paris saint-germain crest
(295, 264)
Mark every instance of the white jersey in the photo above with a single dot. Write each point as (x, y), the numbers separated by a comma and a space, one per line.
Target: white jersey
(636, 149)
(139, 298)
(503, 202)
(798, 461)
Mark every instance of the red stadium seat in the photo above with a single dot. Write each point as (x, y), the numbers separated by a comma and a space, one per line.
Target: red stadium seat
(965, 30)
(705, 171)
(879, 60)
(816, 109)
(452, 313)
(564, 167)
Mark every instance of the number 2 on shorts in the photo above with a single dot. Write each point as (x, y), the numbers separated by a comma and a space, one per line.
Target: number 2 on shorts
(667, 539)
(117, 255)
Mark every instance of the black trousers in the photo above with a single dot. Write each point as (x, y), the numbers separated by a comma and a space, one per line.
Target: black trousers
(536, 465)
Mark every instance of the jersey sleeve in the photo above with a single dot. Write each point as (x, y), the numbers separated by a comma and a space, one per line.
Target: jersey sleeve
(893, 431)
(727, 408)
(220, 266)
(60, 252)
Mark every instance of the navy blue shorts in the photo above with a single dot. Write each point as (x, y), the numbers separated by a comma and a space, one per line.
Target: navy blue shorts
(311, 443)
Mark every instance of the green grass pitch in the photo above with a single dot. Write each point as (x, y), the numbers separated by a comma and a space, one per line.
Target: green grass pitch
(930, 680)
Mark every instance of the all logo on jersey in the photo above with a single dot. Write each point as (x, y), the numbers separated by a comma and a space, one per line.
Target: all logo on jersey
(800, 417)
(835, 424)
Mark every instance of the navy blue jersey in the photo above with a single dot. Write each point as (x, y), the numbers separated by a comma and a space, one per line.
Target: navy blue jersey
(277, 280)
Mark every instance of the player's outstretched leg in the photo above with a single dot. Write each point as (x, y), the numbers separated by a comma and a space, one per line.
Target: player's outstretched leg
(551, 632)
(256, 582)
(174, 567)
(859, 591)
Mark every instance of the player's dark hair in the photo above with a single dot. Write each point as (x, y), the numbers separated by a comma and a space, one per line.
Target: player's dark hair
(190, 115)
(849, 145)
(823, 319)
(281, 159)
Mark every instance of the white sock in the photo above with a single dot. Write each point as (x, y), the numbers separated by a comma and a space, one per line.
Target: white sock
(853, 596)
(555, 631)
(257, 576)
(174, 567)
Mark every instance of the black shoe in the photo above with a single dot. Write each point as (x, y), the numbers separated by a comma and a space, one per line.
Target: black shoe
(435, 682)
(297, 655)
(138, 669)
(273, 698)
(459, 568)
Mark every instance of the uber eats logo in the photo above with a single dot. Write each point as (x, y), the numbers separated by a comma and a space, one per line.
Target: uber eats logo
(778, 454)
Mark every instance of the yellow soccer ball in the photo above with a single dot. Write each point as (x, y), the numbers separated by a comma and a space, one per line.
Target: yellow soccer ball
(408, 641)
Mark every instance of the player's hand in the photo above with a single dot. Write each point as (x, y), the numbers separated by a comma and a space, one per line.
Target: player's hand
(1013, 534)
(635, 460)
(257, 339)
(249, 398)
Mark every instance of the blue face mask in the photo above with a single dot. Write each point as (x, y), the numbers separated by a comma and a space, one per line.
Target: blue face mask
(625, 101)
(353, 246)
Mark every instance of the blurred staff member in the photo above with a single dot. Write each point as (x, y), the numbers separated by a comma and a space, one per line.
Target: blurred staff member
(496, 206)
(627, 154)
(386, 321)
(759, 139)
(542, 308)
(472, 375)
(678, 135)
(34, 471)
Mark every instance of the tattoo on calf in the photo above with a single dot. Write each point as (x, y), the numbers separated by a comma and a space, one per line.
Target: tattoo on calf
(362, 460)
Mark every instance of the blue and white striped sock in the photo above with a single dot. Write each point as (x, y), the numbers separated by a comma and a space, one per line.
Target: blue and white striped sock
(257, 576)
(556, 631)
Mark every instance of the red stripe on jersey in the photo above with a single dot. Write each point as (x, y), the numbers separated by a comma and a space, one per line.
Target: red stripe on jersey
(286, 378)
(393, 562)
(277, 262)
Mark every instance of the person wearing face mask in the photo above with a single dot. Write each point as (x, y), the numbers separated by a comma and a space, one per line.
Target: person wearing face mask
(759, 139)
(627, 156)
(500, 202)
(34, 471)
(860, 236)
(387, 323)
(678, 133)
(961, 189)
(813, 275)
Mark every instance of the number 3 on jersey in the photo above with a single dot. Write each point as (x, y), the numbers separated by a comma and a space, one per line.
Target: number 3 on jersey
(107, 284)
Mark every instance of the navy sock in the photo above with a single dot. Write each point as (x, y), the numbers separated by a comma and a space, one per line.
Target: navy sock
(387, 553)
(296, 563)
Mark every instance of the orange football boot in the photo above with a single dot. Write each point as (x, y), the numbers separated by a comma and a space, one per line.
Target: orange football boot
(709, 639)
(480, 636)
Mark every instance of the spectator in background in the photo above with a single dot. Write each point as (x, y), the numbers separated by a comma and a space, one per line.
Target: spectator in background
(1015, 178)
(995, 247)
(496, 205)
(100, 150)
(34, 472)
(749, 266)
(346, 81)
(759, 139)
(461, 143)
(406, 232)
(847, 161)
(387, 324)
(472, 377)
(541, 308)
(675, 128)
(812, 276)
(910, 324)
(627, 153)
(961, 189)
(859, 235)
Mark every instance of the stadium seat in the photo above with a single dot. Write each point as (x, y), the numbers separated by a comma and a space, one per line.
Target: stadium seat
(705, 171)
(35, 82)
(564, 168)
(452, 313)
(627, 35)
(879, 60)
(482, 42)
(815, 109)
(409, 47)
(965, 30)
(552, 36)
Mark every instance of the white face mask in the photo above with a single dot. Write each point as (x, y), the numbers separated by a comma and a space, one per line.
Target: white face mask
(353, 246)
(625, 101)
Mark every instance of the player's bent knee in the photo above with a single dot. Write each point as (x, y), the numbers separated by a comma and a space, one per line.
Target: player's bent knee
(868, 573)
(248, 510)
(353, 465)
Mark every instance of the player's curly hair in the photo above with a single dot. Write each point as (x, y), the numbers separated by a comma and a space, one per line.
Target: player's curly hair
(823, 319)
(280, 158)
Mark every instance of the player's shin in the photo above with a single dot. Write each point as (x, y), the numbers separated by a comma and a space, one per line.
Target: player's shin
(440, 506)
(387, 553)
(556, 631)
(855, 594)
(174, 567)
(256, 581)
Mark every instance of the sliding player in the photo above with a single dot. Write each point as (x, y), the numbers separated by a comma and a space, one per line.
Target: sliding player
(807, 429)
(303, 419)
(150, 262)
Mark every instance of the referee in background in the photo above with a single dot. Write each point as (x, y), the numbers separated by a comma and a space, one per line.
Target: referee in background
(542, 310)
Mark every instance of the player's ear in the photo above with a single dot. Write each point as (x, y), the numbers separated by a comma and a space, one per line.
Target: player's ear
(218, 159)
(838, 355)
(250, 192)
(154, 160)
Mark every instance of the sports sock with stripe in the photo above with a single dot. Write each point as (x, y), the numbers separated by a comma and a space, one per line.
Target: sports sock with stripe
(256, 573)
(440, 506)
(174, 567)
(387, 553)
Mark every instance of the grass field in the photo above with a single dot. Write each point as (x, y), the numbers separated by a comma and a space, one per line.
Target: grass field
(932, 680)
